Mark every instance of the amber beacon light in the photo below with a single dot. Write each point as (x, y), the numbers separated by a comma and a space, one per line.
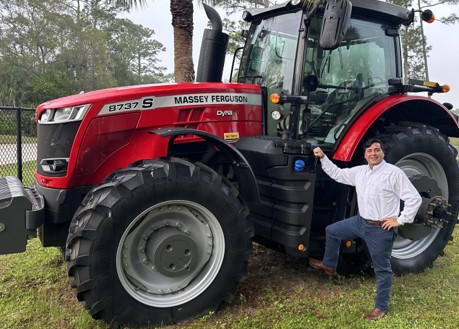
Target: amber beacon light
(428, 16)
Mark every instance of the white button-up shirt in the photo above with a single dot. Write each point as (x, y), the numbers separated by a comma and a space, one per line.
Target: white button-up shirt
(379, 190)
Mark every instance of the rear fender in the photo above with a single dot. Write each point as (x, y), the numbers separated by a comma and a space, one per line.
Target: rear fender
(244, 173)
(393, 109)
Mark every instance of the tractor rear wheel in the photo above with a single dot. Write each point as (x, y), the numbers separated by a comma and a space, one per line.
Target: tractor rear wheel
(428, 159)
(157, 243)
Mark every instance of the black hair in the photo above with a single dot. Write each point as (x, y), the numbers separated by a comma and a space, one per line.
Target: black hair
(371, 141)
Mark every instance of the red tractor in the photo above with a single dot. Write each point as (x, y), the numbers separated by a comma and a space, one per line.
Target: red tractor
(157, 191)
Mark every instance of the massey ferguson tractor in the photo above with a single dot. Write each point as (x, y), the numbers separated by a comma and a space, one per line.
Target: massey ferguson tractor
(157, 192)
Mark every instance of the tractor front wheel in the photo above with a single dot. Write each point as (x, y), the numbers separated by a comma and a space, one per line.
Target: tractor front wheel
(158, 243)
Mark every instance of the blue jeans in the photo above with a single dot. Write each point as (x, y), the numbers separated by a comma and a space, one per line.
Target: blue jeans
(379, 243)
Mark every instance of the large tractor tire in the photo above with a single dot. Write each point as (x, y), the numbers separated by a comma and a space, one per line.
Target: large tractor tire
(157, 243)
(428, 159)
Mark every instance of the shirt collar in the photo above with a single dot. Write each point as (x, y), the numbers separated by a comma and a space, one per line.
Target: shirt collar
(376, 167)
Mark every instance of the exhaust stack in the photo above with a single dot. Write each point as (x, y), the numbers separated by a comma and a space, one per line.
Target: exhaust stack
(213, 49)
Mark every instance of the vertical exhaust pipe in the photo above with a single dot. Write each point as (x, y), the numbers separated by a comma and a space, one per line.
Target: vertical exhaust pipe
(213, 49)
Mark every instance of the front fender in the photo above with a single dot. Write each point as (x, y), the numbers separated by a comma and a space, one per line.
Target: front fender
(392, 109)
(248, 185)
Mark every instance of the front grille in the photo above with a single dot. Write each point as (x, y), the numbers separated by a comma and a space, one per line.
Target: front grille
(54, 142)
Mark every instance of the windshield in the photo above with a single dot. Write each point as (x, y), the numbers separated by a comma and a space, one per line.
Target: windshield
(348, 76)
(269, 56)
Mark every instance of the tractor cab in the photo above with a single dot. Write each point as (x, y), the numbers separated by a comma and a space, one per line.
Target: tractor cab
(288, 51)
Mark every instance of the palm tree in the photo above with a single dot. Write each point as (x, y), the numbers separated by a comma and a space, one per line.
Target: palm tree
(182, 23)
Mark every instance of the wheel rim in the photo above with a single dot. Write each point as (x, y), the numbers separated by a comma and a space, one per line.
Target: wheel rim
(170, 253)
(420, 165)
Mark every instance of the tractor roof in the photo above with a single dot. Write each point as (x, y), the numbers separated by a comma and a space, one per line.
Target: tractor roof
(368, 8)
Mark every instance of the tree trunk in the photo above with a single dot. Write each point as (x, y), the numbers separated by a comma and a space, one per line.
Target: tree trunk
(182, 22)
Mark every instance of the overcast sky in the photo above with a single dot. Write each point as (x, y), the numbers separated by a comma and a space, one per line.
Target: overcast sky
(443, 61)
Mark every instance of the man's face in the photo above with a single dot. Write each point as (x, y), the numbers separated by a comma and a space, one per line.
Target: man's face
(374, 154)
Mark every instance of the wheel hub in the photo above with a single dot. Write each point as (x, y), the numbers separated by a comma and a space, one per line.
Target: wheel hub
(171, 251)
(419, 229)
(167, 249)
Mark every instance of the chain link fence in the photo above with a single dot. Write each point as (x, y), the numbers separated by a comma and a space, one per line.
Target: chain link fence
(18, 143)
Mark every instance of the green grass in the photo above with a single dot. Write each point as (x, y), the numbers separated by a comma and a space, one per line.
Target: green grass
(280, 292)
(12, 139)
(12, 169)
(34, 292)
(455, 142)
(28, 169)
(284, 293)
(8, 139)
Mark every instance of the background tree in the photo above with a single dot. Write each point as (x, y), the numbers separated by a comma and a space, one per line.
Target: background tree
(415, 45)
(52, 48)
(134, 53)
(28, 41)
(182, 23)
(238, 6)
(234, 28)
(450, 19)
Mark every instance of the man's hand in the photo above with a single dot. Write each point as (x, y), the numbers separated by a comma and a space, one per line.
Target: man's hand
(389, 223)
(318, 152)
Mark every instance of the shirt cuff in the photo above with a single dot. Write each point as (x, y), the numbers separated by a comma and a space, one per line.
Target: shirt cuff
(402, 220)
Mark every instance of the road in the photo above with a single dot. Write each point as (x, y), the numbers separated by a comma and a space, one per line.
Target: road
(8, 153)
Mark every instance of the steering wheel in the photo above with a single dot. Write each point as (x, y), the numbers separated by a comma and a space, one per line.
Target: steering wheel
(345, 91)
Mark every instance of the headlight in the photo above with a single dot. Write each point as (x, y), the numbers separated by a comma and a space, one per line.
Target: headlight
(46, 115)
(65, 114)
(62, 114)
(276, 115)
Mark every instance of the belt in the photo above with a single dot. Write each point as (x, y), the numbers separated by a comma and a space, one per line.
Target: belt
(373, 222)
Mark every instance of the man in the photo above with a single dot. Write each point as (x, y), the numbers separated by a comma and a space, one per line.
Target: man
(380, 186)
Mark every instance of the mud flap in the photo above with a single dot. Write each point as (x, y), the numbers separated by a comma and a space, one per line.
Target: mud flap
(21, 212)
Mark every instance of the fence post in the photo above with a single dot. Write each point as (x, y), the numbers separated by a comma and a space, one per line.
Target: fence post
(19, 142)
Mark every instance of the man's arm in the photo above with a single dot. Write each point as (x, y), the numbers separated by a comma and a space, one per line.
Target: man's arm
(412, 201)
(344, 176)
(410, 196)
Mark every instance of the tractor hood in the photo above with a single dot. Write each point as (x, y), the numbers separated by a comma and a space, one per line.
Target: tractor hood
(120, 94)
(85, 137)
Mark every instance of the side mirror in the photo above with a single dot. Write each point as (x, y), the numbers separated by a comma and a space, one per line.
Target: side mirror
(336, 19)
